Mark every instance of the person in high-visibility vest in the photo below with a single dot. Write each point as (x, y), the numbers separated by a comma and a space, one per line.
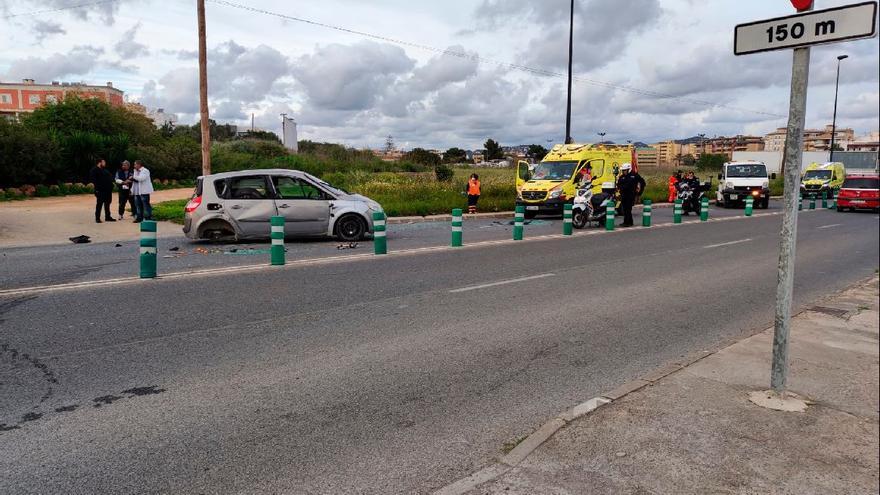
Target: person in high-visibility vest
(473, 193)
(674, 179)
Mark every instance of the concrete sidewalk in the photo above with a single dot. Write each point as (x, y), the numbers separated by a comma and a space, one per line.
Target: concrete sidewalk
(46, 221)
(694, 430)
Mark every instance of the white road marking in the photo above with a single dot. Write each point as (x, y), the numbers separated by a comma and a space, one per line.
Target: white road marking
(726, 243)
(502, 282)
(829, 226)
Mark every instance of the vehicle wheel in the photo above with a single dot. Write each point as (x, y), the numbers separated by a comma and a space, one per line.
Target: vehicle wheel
(579, 219)
(350, 228)
(531, 214)
(765, 203)
(217, 231)
(839, 209)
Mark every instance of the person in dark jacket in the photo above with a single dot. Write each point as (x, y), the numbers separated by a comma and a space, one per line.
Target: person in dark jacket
(123, 183)
(630, 185)
(103, 181)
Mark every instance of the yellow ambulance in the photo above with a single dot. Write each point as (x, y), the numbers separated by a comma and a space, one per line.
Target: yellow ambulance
(544, 187)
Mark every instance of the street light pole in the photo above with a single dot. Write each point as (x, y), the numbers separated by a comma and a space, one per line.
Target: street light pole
(203, 90)
(568, 138)
(834, 117)
(601, 136)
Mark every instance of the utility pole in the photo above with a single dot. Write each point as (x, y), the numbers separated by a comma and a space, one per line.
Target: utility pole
(568, 138)
(203, 90)
(834, 118)
(792, 158)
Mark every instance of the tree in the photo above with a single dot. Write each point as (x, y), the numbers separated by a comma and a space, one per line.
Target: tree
(422, 157)
(389, 144)
(537, 151)
(455, 155)
(493, 150)
(709, 161)
(688, 160)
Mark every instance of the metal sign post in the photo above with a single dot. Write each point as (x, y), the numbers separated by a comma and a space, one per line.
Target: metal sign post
(799, 31)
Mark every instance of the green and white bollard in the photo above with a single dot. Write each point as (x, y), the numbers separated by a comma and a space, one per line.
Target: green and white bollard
(609, 215)
(566, 219)
(646, 213)
(833, 204)
(148, 252)
(750, 203)
(456, 227)
(518, 217)
(825, 199)
(276, 252)
(800, 202)
(380, 242)
(704, 209)
(677, 211)
(812, 202)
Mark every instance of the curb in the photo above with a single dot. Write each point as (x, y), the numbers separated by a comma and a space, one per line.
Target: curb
(548, 429)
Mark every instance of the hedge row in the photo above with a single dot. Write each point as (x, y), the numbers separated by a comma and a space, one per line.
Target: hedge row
(67, 189)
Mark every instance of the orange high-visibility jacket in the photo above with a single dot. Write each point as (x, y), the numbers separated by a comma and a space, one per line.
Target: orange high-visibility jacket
(473, 187)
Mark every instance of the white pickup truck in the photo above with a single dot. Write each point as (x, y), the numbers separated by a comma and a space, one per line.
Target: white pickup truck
(740, 180)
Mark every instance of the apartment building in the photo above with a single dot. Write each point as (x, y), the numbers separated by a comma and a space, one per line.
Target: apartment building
(814, 139)
(27, 96)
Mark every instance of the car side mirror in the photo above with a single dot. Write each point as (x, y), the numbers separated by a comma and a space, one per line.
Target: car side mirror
(720, 177)
(773, 176)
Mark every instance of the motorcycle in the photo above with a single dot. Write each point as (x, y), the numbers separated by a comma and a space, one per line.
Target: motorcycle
(691, 198)
(588, 207)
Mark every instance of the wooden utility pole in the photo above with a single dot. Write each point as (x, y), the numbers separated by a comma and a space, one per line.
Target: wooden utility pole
(203, 91)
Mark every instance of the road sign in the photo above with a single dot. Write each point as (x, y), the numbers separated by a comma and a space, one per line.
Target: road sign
(809, 28)
(802, 4)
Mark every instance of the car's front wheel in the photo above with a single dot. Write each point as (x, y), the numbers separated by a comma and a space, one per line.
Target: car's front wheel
(350, 228)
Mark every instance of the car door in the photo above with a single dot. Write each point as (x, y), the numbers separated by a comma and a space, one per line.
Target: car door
(249, 203)
(304, 206)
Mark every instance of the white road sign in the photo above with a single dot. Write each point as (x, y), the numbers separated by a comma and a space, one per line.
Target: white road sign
(809, 28)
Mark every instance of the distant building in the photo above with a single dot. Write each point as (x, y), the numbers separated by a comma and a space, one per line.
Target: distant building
(722, 145)
(648, 157)
(160, 118)
(668, 152)
(814, 139)
(868, 142)
(27, 96)
(288, 134)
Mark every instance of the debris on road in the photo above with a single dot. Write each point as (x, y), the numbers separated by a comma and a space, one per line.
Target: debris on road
(80, 239)
(350, 245)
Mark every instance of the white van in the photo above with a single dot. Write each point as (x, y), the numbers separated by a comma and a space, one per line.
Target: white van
(740, 180)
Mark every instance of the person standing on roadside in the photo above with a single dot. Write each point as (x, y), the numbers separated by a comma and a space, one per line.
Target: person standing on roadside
(101, 178)
(123, 182)
(674, 179)
(473, 192)
(141, 188)
(630, 185)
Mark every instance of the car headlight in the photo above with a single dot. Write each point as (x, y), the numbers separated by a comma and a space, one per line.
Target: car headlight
(728, 185)
(555, 194)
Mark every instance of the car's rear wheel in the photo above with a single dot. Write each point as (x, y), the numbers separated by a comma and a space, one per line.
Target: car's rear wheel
(217, 231)
(351, 228)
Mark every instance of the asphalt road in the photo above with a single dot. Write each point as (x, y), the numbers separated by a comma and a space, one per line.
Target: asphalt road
(68, 262)
(393, 374)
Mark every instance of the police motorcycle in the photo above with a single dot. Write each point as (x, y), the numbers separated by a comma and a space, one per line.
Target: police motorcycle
(692, 196)
(588, 207)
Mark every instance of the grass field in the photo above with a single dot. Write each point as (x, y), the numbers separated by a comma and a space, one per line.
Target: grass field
(403, 194)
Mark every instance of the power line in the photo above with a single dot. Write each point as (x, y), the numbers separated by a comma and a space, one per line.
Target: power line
(509, 65)
(59, 9)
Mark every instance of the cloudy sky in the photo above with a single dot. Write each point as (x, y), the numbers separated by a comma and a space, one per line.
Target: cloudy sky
(441, 74)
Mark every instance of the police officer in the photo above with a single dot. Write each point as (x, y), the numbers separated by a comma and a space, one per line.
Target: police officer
(630, 185)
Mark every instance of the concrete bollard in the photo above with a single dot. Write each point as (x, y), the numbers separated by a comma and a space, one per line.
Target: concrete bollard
(812, 202)
(825, 199)
(704, 209)
(148, 252)
(276, 252)
(518, 217)
(677, 211)
(456, 227)
(609, 215)
(566, 219)
(380, 242)
(750, 203)
(646, 213)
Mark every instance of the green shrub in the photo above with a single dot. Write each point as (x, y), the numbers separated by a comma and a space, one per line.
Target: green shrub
(64, 188)
(89, 188)
(54, 190)
(3, 195)
(444, 173)
(41, 191)
(14, 193)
